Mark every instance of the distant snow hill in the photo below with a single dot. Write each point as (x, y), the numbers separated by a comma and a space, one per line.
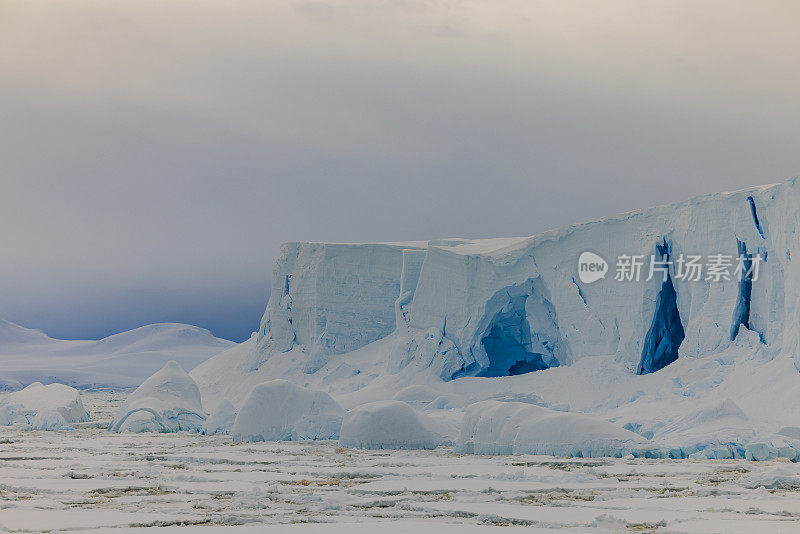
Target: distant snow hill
(121, 360)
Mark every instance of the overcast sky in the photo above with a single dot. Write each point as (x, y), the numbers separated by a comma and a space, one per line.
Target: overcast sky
(154, 154)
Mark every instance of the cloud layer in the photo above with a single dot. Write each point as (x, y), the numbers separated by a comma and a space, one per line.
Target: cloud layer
(156, 153)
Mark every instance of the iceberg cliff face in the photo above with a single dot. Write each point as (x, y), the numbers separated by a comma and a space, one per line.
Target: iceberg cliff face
(509, 306)
(335, 297)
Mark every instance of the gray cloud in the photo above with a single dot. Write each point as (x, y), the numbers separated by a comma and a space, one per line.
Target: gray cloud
(155, 154)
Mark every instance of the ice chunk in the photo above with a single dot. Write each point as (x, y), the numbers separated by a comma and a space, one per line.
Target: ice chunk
(388, 424)
(49, 420)
(168, 401)
(778, 477)
(280, 411)
(493, 427)
(761, 452)
(221, 419)
(719, 426)
(21, 407)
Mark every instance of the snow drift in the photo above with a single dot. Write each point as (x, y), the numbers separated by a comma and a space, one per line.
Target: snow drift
(50, 407)
(280, 411)
(388, 424)
(168, 401)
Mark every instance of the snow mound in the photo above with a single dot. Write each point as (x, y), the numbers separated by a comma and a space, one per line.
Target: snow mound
(221, 419)
(388, 424)
(168, 401)
(280, 411)
(493, 427)
(55, 400)
(121, 360)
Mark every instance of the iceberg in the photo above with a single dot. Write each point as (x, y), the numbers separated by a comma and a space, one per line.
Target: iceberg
(494, 427)
(40, 407)
(511, 319)
(168, 401)
(388, 424)
(498, 300)
(281, 411)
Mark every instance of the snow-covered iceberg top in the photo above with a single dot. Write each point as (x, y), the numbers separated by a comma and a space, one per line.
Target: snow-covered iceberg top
(168, 401)
(50, 407)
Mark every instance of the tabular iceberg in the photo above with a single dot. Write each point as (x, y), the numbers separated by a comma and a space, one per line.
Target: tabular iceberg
(510, 319)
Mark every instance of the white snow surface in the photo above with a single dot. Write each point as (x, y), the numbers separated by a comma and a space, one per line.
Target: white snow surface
(50, 407)
(365, 321)
(168, 401)
(281, 411)
(123, 360)
(389, 424)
